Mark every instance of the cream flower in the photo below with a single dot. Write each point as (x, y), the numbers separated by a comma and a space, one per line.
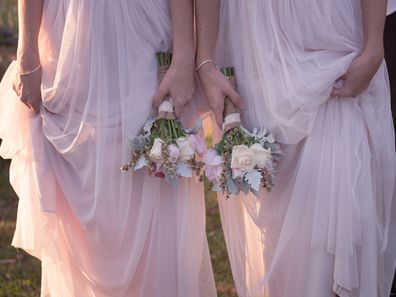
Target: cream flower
(262, 155)
(186, 149)
(242, 158)
(156, 151)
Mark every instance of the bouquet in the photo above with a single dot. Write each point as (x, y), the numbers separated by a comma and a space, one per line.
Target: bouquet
(166, 148)
(242, 161)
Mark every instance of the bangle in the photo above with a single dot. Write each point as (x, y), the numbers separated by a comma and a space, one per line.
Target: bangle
(206, 62)
(30, 72)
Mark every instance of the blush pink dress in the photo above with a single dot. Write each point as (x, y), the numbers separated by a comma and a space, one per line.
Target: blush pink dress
(329, 226)
(100, 232)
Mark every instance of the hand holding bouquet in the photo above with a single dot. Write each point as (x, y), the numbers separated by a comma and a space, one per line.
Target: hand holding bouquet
(242, 161)
(166, 148)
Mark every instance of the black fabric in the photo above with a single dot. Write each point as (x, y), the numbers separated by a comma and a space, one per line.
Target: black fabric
(390, 56)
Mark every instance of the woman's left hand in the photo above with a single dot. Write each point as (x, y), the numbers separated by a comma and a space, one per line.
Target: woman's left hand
(178, 84)
(359, 75)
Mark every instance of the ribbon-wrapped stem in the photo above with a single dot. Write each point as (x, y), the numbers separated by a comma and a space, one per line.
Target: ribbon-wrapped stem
(232, 117)
(166, 110)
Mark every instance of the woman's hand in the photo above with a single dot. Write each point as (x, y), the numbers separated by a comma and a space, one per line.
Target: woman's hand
(178, 84)
(217, 87)
(359, 75)
(27, 85)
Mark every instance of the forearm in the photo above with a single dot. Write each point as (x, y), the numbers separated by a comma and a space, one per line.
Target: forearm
(374, 14)
(207, 13)
(182, 16)
(29, 20)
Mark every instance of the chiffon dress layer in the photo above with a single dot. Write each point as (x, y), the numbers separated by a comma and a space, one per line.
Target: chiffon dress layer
(100, 232)
(328, 226)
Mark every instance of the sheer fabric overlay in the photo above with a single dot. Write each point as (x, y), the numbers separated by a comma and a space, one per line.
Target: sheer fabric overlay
(329, 225)
(98, 231)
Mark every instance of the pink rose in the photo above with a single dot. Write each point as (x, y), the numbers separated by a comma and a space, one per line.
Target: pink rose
(213, 165)
(198, 144)
(174, 153)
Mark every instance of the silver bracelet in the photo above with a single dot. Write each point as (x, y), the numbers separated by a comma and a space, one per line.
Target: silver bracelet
(30, 72)
(206, 62)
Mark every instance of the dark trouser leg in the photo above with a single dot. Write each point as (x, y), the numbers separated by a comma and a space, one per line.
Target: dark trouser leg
(390, 57)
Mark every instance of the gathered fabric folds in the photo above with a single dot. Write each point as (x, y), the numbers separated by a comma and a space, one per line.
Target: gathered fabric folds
(100, 232)
(329, 224)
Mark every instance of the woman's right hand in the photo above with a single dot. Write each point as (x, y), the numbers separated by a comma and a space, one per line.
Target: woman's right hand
(28, 86)
(217, 87)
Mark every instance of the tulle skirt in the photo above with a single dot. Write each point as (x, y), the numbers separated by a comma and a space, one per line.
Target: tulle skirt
(329, 226)
(98, 231)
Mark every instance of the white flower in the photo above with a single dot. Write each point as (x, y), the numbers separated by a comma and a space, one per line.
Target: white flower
(262, 155)
(242, 158)
(156, 151)
(186, 149)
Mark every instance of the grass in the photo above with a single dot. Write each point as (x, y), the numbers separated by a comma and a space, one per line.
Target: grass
(19, 272)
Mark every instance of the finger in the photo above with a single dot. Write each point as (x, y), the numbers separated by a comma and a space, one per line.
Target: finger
(345, 90)
(178, 109)
(159, 96)
(235, 98)
(14, 87)
(35, 107)
(219, 118)
(338, 85)
(335, 92)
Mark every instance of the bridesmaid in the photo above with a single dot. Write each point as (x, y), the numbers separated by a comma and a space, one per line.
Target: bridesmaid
(84, 80)
(311, 71)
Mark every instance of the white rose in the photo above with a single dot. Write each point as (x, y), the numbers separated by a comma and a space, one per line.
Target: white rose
(262, 155)
(156, 151)
(242, 158)
(186, 149)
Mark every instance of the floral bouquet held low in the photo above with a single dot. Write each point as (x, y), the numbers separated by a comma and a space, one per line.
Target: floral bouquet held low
(242, 161)
(166, 148)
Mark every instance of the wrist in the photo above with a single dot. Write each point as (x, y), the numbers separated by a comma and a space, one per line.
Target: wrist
(27, 60)
(373, 50)
(375, 53)
(207, 69)
(183, 56)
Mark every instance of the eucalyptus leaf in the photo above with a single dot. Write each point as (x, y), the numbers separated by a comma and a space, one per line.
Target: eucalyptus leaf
(253, 177)
(171, 180)
(184, 170)
(142, 162)
(148, 125)
(216, 188)
(232, 188)
(245, 187)
(137, 143)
